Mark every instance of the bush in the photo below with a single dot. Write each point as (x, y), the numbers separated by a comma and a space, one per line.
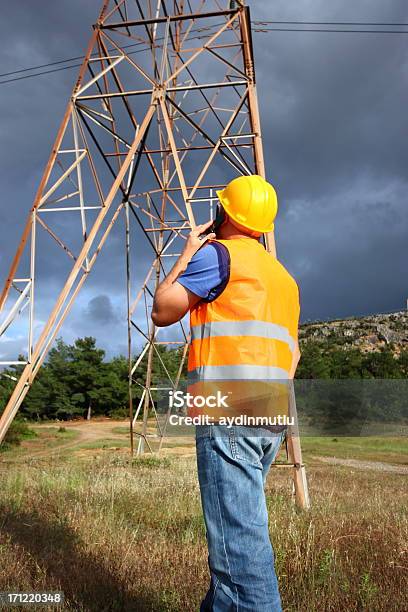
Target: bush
(151, 461)
(119, 413)
(17, 432)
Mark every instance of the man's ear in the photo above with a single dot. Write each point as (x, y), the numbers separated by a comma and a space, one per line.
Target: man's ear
(243, 229)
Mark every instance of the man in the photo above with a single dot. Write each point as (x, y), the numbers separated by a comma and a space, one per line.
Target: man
(244, 314)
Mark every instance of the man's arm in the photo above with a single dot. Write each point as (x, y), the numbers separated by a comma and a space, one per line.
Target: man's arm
(296, 353)
(295, 361)
(171, 300)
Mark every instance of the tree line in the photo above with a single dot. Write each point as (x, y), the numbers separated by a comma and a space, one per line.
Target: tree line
(77, 381)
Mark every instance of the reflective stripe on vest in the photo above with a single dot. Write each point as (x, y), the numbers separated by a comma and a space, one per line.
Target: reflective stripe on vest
(237, 372)
(262, 329)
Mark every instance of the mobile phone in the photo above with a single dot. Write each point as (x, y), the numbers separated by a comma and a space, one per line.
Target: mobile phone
(219, 219)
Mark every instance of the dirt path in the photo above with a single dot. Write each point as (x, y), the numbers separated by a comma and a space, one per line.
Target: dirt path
(101, 429)
(88, 431)
(377, 466)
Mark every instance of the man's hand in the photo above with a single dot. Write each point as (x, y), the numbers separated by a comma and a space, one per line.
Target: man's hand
(171, 300)
(195, 240)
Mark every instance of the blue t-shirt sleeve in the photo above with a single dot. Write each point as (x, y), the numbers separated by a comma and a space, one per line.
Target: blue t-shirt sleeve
(207, 272)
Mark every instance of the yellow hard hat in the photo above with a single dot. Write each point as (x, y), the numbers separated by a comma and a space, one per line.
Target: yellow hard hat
(250, 201)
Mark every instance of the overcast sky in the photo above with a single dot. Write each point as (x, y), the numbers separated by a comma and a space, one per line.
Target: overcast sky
(334, 120)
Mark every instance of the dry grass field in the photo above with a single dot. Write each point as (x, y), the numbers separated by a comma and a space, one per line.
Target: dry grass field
(115, 533)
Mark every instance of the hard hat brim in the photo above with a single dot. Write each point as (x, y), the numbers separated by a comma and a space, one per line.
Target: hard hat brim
(219, 195)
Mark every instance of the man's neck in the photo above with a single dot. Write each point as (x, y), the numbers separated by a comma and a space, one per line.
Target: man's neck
(229, 232)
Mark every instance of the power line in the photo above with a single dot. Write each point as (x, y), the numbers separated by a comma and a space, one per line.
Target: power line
(70, 59)
(332, 23)
(257, 23)
(82, 57)
(257, 30)
(336, 31)
(37, 74)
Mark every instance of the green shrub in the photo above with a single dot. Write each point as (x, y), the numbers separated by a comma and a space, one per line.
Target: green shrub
(18, 431)
(119, 413)
(151, 462)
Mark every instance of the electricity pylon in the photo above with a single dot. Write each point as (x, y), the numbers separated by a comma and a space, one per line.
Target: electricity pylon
(164, 111)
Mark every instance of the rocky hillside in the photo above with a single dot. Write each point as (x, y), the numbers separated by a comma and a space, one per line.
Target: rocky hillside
(368, 334)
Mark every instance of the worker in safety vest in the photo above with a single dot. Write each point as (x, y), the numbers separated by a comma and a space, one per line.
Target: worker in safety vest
(244, 315)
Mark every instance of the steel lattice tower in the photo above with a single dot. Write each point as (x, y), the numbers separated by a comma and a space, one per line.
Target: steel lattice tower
(164, 111)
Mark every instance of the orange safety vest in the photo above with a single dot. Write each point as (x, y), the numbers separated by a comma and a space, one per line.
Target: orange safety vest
(242, 342)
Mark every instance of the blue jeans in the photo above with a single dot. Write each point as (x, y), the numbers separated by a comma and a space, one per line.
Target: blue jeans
(232, 466)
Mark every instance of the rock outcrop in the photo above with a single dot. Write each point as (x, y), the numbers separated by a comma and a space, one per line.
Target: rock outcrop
(368, 333)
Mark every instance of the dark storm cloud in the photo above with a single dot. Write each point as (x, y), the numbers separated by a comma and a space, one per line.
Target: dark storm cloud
(334, 127)
(100, 310)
